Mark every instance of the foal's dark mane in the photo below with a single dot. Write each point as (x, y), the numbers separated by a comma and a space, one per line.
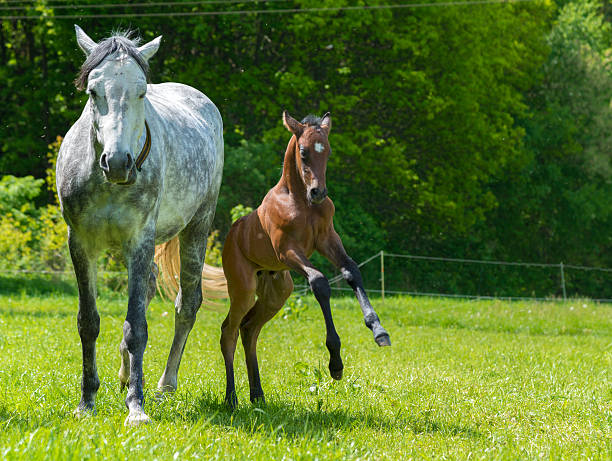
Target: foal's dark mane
(311, 120)
(118, 43)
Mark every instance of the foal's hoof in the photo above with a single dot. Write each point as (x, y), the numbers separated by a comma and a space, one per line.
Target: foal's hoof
(231, 401)
(258, 400)
(335, 371)
(136, 418)
(383, 340)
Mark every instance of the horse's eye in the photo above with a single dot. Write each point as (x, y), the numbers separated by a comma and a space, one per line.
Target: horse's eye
(93, 94)
(303, 152)
(141, 96)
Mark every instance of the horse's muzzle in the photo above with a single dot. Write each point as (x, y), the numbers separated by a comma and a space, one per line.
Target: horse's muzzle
(118, 167)
(316, 195)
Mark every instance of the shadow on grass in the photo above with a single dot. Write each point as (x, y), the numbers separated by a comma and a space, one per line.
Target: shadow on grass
(292, 421)
(36, 285)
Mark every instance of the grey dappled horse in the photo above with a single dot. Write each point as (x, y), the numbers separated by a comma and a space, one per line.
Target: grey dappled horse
(142, 164)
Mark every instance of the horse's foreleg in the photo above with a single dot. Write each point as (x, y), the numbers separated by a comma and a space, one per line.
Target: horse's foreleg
(322, 291)
(135, 334)
(88, 321)
(124, 370)
(189, 298)
(333, 250)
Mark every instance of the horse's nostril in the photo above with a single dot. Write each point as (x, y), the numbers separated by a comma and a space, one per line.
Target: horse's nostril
(130, 161)
(104, 163)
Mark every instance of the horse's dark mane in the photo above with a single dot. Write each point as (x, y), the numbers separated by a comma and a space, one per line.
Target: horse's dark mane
(120, 42)
(311, 120)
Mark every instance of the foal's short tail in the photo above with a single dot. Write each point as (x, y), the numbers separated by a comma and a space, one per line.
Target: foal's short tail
(167, 257)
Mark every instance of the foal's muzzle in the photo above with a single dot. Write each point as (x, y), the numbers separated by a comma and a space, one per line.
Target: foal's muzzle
(118, 167)
(317, 195)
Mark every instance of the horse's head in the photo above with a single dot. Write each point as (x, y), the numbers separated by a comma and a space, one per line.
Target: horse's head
(311, 152)
(115, 77)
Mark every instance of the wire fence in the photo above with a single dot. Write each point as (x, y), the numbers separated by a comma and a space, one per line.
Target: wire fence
(391, 273)
(387, 274)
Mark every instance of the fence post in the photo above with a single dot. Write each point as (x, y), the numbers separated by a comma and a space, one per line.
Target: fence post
(382, 274)
(563, 281)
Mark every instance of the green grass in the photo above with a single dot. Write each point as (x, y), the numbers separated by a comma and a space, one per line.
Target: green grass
(463, 379)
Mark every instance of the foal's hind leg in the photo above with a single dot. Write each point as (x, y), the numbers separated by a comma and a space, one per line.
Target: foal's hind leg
(124, 370)
(189, 299)
(241, 287)
(272, 292)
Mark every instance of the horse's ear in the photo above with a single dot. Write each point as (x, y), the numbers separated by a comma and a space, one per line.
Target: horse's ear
(85, 43)
(326, 122)
(149, 49)
(292, 124)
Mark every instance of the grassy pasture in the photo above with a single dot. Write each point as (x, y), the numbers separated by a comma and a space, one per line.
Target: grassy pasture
(462, 380)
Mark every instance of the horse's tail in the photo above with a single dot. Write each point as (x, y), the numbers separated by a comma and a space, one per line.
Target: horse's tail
(167, 257)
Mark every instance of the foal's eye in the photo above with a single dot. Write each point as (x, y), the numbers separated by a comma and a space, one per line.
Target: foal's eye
(141, 96)
(93, 94)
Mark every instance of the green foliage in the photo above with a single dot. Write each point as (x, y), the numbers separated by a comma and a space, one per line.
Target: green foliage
(214, 248)
(560, 204)
(477, 130)
(250, 169)
(481, 380)
(239, 211)
(30, 237)
(17, 194)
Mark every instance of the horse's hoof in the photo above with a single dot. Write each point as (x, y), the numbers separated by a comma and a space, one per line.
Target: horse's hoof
(383, 340)
(84, 410)
(165, 389)
(167, 385)
(136, 418)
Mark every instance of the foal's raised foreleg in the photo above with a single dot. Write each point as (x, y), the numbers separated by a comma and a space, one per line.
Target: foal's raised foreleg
(88, 320)
(322, 291)
(331, 247)
(139, 258)
(189, 299)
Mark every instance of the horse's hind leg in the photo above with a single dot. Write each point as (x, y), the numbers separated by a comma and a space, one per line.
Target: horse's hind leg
(192, 252)
(273, 289)
(88, 321)
(124, 370)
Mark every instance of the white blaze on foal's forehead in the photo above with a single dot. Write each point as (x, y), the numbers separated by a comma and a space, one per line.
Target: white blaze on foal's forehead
(319, 147)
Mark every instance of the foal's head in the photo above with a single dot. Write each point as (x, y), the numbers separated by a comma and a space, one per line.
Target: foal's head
(311, 152)
(115, 77)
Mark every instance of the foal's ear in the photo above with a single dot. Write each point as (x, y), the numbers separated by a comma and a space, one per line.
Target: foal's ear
(292, 124)
(326, 122)
(85, 43)
(149, 49)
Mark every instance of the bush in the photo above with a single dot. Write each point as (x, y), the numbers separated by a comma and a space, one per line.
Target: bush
(31, 237)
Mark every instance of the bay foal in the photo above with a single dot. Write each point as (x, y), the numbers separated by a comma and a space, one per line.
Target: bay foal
(294, 220)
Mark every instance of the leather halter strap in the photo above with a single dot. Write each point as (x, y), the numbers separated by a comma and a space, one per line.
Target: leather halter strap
(144, 153)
